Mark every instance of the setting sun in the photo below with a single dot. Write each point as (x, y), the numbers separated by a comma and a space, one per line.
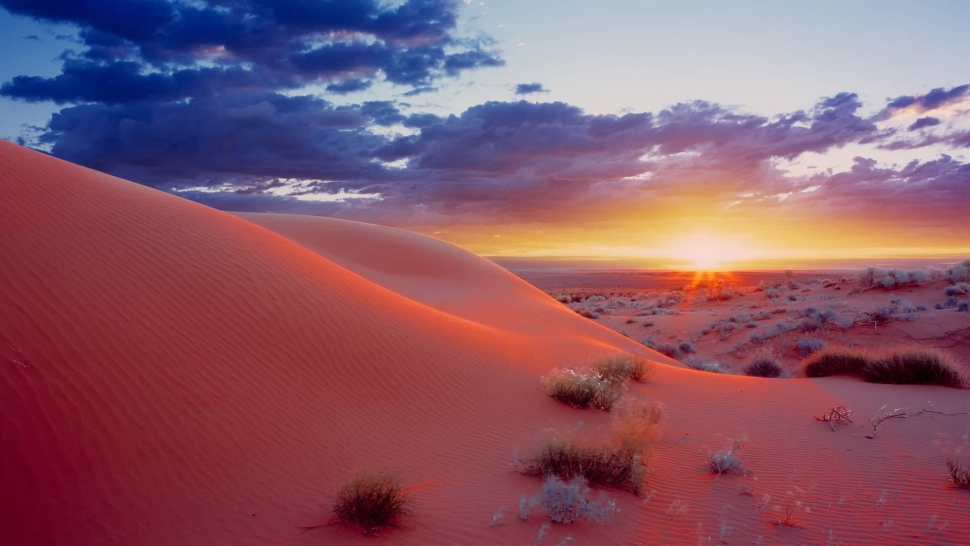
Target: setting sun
(704, 252)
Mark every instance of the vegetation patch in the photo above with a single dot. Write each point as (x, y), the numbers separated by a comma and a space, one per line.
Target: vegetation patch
(763, 367)
(583, 388)
(619, 459)
(900, 366)
(705, 364)
(567, 501)
(623, 366)
(917, 366)
(836, 361)
(372, 501)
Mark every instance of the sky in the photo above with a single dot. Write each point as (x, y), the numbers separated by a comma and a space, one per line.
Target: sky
(673, 134)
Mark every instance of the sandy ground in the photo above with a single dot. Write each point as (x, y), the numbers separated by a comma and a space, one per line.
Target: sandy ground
(172, 374)
(734, 317)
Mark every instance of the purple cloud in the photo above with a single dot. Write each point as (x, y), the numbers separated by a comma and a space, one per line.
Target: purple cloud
(161, 51)
(529, 88)
(922, 123)
(933, 100)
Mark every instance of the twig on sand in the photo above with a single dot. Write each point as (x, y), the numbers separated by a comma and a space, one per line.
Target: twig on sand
(835, 415)
(940, 412)
(882, 415)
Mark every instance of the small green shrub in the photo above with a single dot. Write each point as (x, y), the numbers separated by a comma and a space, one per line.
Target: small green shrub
(373, 501)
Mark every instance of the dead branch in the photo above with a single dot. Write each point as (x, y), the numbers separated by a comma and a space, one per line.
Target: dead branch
(881, 415)
(940, 412)
(835, 415)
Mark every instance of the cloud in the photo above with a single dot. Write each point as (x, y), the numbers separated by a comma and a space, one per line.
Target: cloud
(529, 88)
(350, 86)
(933, 100)
(167, 50)
(922, 123)
(32, 37)
(499, 162)
(223, 140)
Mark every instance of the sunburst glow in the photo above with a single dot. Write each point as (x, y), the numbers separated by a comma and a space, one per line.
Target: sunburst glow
(705, 252)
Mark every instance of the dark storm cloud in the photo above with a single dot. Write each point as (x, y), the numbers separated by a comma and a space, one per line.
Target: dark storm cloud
(219, 139)
(159, 50)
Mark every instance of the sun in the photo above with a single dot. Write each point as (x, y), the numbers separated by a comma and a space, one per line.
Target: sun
(707, 253)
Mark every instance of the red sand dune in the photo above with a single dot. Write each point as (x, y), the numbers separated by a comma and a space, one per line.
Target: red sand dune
(171, 374)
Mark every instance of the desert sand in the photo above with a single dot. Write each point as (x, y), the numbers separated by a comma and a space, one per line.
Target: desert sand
(172, 374)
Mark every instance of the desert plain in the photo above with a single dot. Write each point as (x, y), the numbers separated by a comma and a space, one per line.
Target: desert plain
(173, 374)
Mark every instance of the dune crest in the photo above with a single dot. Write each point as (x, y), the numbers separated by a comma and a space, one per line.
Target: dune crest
(172, 374)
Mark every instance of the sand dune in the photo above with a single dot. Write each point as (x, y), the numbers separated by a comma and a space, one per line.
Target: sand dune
(171, 374)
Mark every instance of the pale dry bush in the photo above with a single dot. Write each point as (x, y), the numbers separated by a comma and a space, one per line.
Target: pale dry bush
(619, 459)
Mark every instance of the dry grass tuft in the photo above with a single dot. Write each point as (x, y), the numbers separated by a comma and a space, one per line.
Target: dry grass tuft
(836, 361)
(373, 501)
(619, 460)
(622, 366)
(959, 474)
(917, 366)
(583, 389)
(899, 366)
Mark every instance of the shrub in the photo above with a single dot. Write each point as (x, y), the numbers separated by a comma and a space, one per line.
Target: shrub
(959, 474)
(957, 289)
(726, 460)
(815, 319)
(963, 306)
(586, 314)
(704, 364)
(686, 347)
(622, 366)
(763, 367)
(792, 297)
(905, 366)
(667, 349)
(835, 361)
(618, 460)
(916, 366)
(582, 389)
(373, 501)
(959, 272)
(566, 502)
(809, 345)
(772, 332)
(569, 457)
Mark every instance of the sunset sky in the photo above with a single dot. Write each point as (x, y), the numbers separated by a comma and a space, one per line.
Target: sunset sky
(678, 134)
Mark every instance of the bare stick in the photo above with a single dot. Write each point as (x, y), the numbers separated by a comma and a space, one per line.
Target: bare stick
(881, 416)
(834, 415)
